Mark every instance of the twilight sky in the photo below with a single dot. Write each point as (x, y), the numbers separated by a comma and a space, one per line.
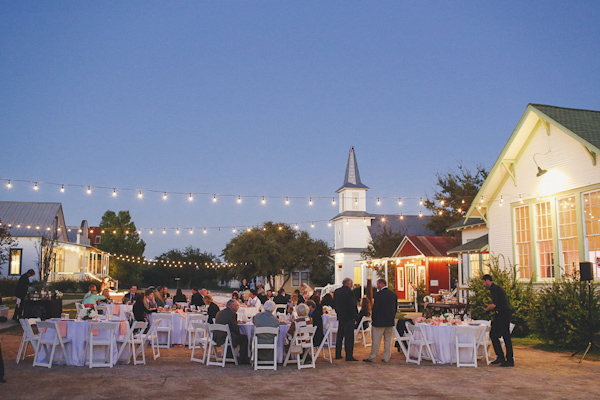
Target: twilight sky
(265, 98)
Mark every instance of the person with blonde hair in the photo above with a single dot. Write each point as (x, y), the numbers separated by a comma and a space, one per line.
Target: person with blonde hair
(303, 319)
(211, 308)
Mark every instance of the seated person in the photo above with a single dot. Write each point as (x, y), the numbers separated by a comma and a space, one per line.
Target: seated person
(130, 297)
(327, 300)
(140, 310)
(253, 300)
(246, 296)
(149, 302)
(281, 297)
(236, 296)
(197, 298)
(306, 291)
(299, 296)
(91, 288)
(179, 297)
(228, 316)
(158, 297)
(292, 303)
(365, 311)
(303, 319)
(211, 308)
(106, 295)
(266, 319)
(94, 298)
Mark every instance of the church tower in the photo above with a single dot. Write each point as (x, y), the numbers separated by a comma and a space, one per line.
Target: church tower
(352, 222)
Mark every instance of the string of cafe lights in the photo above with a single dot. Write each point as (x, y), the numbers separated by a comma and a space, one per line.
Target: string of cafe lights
(172, 263)
(192, 195)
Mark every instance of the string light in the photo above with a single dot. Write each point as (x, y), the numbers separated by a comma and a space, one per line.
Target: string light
(191, 198)
(151, 231)
(62, 189)
(140, 195)
(399, 202)
(333, 202)
(382, 219)
(165, 196)
(420, 214)
(164, 231)
(239, 200)
(287, 201)
(310, 202)
(114, 193)
(440, 212)
(420, 201)
(177, 231)
(35, 187)
(263, 201)
(378, 202)
(442, 202)
(312, 224)
(89, 190)
(296, 227)
(9, 184)
(214, 198)
(192, 231)
(520, 199)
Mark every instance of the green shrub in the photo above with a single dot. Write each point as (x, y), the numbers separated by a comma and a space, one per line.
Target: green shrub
(560, 313)
(520, 295)
(7, 287)
(421, 291)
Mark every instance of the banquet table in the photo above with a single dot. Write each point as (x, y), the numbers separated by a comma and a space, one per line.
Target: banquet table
(178, 327)
(119, 311)
(443, 335)
(246, 313)
(78, 332)
(248, 330)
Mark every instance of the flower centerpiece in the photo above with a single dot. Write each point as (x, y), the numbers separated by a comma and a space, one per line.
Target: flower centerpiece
(88, 312)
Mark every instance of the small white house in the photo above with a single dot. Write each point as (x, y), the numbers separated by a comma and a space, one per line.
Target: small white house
(74, 257)
(540, 204)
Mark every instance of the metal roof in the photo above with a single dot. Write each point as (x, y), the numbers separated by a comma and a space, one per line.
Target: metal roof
(31, 214)
(352, 177)
(475, 245)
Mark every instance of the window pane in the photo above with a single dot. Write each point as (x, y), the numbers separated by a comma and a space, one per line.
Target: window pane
(523, 244)
(15, 261)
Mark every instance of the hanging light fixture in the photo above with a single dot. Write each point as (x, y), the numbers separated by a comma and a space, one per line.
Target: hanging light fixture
(540, 170)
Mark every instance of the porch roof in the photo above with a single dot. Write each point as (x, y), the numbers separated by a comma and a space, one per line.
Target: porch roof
(473, 246)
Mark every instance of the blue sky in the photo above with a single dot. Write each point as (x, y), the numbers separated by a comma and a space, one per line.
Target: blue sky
(266, 98)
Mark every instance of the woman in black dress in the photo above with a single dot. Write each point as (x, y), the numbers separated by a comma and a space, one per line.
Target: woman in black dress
(179, 297)
(211, 308)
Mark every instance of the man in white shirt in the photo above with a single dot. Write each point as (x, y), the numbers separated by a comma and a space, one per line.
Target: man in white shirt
(253, 300)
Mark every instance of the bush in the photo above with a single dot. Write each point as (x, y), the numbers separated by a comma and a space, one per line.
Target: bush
(560, 313)
(7, 287)
(520, 295)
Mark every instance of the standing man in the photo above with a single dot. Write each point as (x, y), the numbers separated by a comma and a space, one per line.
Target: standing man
(344, 303)
(21, 293)
(385, 303)
(500, 323)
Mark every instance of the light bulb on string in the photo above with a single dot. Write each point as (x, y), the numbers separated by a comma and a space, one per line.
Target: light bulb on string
(114, 193)
(89, 190)
(440, 212)
(239, 200)
(9, 184)
(177, 231)
(399, 202)
(312, 224)
(378, 202)
(420, 202)
(35, 187)
(165, 196)
(459, 210)
(151, 231)
(191, 231)
(310, 202)
(329, 224)
(248, 229)
(164, 231)
(204, 231)
(140, 195)
(382, 219)
(442, 202)
(127, 232)
(463, 201)
(520, 199)
(296, 227)
(420, 214)
(234, 230)
(191, 198)
(263, 201)
(214, 198)
(114, 232)
(287, 201)
(333, 202)
(62, 189)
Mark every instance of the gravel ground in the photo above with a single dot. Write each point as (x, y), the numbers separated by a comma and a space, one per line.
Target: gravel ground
(537, 375)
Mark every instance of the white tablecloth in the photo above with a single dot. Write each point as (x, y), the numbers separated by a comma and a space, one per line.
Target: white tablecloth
(444, 338)
(246, 313)
(78, 332)
(248, 330)
(122, 314)
(179, 324)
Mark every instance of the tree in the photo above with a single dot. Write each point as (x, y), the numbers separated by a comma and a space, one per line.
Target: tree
(194, 274)
(456, 192)
(46, 249)
(121, 237)
(276, 249)
(6, 242)
(382, 244)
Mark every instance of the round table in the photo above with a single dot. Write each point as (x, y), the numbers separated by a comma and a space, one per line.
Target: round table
(443, 335)
(248, 330)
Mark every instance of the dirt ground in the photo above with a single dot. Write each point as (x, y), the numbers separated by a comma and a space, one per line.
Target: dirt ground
(537, 375)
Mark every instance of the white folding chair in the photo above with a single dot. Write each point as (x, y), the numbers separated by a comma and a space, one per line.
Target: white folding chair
(418, 339)
(102, 309)
(466, 338)
(152, 337)
(79, 307)
(29, 337)
(363, 331)
(165, 327)
(265, 364)
(200, 339)
(189, 330)
(302, 346)
(212, 347)
(130, 317)
(402, 341)
(328, 341)
(96, 341)
(281, 308)
(131, 340)
(484, 341)
(50, 340)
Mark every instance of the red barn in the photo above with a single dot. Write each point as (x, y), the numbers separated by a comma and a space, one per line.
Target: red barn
(423, 259)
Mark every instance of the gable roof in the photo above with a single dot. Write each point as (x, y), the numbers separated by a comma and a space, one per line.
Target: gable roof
(31, 214)
(352, 177)
(468, 223)
(475, 245)
(582, 125)
(429, 246)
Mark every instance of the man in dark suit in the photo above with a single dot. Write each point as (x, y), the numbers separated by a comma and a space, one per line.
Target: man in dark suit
(228, 316)
(317, 320)
(129, 298)
(385, 303)
(21, 293)
(501, 322)
(281, 297)
(197, 298)
(344, 303)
